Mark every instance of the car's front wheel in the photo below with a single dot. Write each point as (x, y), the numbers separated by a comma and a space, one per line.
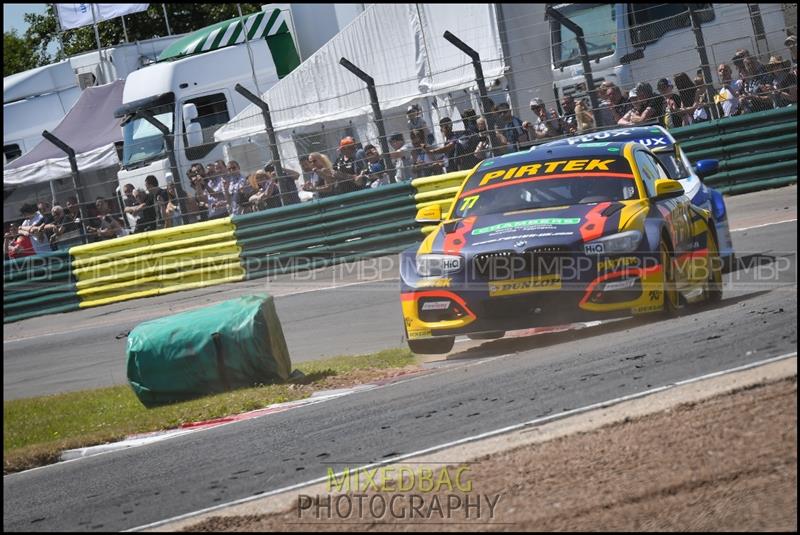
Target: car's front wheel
(715, 266)
(430, 346)
(672, 299)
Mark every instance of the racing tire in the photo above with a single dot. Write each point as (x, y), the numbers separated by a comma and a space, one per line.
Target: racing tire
(713, 289)
(672, 298)
(432, 346)
(489, 335)
(729, 264)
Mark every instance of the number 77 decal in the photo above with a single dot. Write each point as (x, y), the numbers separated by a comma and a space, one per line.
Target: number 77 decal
(468, 202)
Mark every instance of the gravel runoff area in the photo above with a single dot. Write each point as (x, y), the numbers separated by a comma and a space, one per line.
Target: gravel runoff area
(716, 455)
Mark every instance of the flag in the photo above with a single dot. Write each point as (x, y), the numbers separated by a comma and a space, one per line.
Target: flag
(77, 15)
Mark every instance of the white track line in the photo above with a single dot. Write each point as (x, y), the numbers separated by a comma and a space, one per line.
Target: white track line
(764, 225)
(537, 421)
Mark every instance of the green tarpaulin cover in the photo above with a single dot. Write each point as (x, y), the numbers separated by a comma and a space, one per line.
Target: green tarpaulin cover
(234, 344)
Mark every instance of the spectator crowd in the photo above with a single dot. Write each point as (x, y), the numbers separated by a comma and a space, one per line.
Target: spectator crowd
(221, 189)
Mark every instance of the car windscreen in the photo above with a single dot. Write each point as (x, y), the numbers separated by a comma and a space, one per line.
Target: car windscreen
(545, 184)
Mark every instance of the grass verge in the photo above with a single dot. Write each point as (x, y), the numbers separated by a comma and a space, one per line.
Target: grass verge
(37, 430)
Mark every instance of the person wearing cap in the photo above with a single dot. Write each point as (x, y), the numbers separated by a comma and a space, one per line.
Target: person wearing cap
(349, 172)
(784, 83)
(401, 154)
(673, 117)
(417, 122)
(542, 127)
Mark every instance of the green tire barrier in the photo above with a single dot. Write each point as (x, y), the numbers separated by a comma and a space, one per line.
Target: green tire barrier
(328, 231)
(38, 285)
(233, 344)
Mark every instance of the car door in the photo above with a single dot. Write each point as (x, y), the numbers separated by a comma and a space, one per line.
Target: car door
(676, 213)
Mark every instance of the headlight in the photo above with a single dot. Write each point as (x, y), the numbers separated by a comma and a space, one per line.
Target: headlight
(624, 242)
(436, 265)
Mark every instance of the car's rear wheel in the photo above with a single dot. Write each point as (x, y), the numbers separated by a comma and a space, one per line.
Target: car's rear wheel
(489, 335)
(672, 299)
(714, 283)
(430, 346)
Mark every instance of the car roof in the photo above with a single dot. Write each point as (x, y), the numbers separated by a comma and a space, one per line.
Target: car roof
(654, 137)
(548, 151)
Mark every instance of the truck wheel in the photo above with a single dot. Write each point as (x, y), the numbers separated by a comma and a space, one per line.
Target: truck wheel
(430, 346)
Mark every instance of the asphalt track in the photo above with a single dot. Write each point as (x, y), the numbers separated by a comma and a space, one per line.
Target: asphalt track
(474, 393)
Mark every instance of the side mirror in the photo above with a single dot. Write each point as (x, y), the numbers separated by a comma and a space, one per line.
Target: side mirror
(194, 132)
(429, 214)
(705, 168)
(667, 188)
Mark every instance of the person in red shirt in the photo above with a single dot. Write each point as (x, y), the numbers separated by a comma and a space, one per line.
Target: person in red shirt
(16, 243)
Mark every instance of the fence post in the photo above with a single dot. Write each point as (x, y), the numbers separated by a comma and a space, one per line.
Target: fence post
(273, 142)
(701, 49)
(587, 67)
(476, 64)
(376, 110)
(73, 164)
(169, 140)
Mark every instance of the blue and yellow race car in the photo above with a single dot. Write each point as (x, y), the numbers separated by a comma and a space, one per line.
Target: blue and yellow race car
(668, 150)
(557, 235)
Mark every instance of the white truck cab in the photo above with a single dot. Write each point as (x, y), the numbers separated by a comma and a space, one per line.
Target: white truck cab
(191, 90)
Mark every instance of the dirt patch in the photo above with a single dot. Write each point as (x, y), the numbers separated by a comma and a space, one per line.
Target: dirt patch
(725, 464)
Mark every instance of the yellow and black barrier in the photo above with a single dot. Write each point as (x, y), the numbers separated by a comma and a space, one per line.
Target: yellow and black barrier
(439, 189)
(157, 262)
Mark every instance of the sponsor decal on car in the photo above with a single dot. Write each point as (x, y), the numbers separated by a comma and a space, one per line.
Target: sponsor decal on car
(524, 285)
(534, 169)
(434, 283)
(527, 224)
(419, 333)
(616, 263)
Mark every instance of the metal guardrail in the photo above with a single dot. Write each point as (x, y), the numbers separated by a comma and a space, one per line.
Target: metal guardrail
(327, 231)
(38, 285)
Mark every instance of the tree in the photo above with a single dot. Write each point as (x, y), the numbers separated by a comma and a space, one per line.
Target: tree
(17, 55)
(148, 24)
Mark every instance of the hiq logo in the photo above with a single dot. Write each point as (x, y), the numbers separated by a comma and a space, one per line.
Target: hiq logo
(593, 248)
(83, 8)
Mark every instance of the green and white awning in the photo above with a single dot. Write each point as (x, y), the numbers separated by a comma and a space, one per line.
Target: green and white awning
(258, 26)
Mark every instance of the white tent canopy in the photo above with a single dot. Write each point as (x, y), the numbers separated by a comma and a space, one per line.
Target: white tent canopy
(400, 46)
(89, 128)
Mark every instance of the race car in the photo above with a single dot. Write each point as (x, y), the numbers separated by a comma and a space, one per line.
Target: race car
(664, 146)
(556, 235)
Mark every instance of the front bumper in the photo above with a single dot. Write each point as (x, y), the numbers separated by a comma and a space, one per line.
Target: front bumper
(611, 287)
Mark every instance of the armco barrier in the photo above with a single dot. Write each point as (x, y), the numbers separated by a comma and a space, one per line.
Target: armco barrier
(323, 232)
(156, 262)
(38, 285)
(755, 151)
